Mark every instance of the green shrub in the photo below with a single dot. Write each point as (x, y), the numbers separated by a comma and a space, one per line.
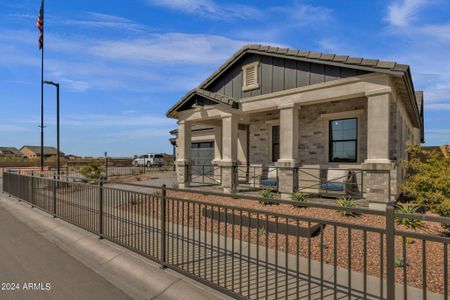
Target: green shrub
(268, 195)
(92, 171)
(300, 198)
(444, 211)
(346, 202)
(427, 178)
(409, 223)
(399, 262)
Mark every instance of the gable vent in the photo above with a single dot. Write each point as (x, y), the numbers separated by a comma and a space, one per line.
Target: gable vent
(250, 76)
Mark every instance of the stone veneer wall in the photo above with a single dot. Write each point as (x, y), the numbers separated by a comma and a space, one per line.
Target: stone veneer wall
(260, 136)
(313, 133)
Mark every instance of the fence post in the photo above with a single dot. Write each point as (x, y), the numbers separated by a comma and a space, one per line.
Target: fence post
(163, 226)
(54, 196)
(32, 189)
(100, 210)
(390, 251)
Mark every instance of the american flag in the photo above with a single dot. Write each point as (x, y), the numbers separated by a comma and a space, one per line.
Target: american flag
(40, 26)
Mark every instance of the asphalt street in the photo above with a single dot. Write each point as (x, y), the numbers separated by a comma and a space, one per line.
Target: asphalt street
(31, 267)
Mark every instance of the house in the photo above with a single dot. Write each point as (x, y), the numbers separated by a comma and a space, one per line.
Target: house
(35, 151)
(442, 150)
(290, 109)
(10, 152)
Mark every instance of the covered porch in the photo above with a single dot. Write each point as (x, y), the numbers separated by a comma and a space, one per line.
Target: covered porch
(288, 143)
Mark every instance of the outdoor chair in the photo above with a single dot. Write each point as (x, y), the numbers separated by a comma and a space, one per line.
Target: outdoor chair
(336, 182)
(272, 178)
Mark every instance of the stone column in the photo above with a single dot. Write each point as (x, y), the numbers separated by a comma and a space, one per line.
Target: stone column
(288, 162)
(229, 153)
(183, 161)
(217, 152)
(378, 122)
(377, 168)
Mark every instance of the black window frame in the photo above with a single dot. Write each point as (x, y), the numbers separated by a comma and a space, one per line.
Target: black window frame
(331, 141)
(277, 144)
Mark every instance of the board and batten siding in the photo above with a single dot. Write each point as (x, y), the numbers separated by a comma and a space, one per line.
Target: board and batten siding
(277, 74)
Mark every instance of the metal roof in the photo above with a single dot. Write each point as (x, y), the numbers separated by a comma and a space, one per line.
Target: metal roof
(375, 65)
(360, 63)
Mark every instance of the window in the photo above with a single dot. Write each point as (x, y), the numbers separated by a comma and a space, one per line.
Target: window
(275, 143)
(343, 140)
(250, 76)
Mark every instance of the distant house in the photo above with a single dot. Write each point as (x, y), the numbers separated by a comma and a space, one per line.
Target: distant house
(72, 157)
(10, 152)
(35, 151)
(443, 150)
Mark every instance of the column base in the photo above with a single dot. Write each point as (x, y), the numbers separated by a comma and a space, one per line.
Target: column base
(184, 175)
(378, 185)
(229, 175)
(287, 177)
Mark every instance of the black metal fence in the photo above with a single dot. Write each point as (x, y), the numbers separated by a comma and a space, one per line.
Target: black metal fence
(251, 251)
(321, 181)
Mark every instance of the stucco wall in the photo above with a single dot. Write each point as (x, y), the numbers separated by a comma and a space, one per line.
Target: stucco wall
(313, 131)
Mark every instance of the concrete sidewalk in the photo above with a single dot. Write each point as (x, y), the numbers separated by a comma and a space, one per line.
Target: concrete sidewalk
(31, 251)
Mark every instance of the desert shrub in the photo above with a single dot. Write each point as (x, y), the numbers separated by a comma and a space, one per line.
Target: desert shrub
(268, 195)
(92, 171)
(299, 198)
(409, 223)
(346, 202)
(427, 178)
(444, 210)
(399, 262)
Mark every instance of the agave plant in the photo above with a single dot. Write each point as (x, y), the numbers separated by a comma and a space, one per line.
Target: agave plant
(300, 198)
(267, 195)
(346, 202)
(409, 223)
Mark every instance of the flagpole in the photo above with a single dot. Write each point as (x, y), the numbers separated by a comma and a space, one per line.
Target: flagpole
(42, 91)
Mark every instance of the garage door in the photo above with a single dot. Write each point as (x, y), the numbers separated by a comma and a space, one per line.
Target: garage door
(202, 153)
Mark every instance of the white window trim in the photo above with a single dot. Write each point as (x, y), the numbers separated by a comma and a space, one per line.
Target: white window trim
(244, 76)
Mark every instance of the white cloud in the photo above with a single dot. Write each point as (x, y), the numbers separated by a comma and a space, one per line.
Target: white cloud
(304, 14)
(210, 9)
(166, 48)
(99, 20)
(403, 12)
(438, 31)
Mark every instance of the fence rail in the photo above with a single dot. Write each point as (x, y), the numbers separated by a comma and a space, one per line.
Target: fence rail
(248, 252)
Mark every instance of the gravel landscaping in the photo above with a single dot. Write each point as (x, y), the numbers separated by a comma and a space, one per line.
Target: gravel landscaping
(434, 251)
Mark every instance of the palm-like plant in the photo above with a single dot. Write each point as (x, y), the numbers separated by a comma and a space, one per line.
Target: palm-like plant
(409, 223)
(267, 195)
(346, 202)
(299, 198)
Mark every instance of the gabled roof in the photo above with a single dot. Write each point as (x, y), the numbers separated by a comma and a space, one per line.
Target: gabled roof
(401, 71)
(11, 150)
(374, 65)
(215, 97)
(47, 149)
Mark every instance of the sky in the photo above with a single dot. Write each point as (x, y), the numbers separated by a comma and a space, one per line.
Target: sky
(123, 63)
